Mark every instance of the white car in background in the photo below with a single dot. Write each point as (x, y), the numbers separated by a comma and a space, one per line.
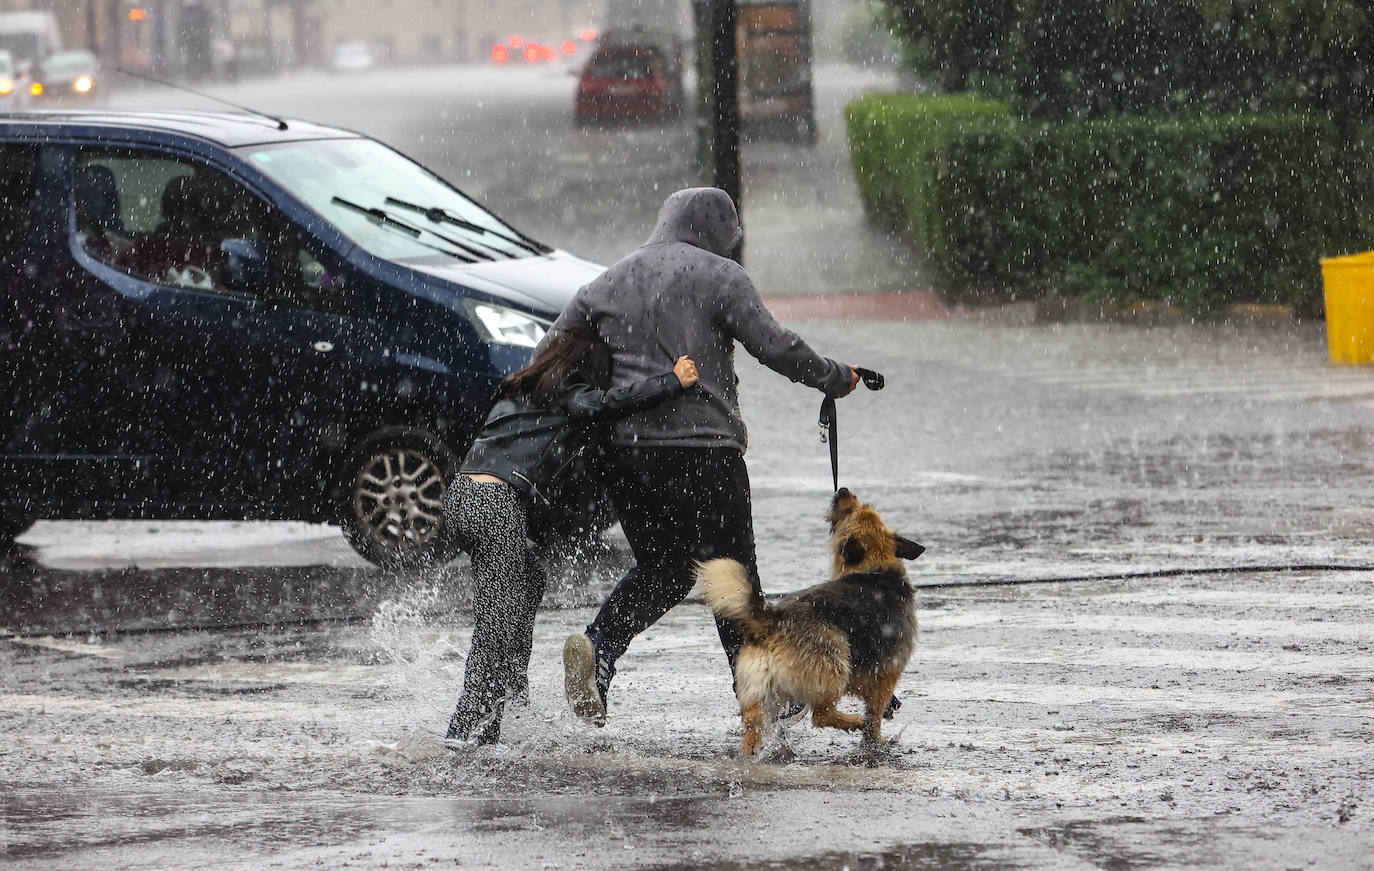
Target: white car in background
(352, 57)
(71, 75)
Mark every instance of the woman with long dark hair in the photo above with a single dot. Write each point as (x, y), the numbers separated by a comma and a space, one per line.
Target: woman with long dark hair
(545, 417)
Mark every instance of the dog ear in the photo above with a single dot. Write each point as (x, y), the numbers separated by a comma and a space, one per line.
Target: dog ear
(906, 548)
(852, 551)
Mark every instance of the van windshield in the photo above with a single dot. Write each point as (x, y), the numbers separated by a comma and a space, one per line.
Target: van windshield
(388, 204)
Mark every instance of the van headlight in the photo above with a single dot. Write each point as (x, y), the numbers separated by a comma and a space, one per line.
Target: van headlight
(506, 326)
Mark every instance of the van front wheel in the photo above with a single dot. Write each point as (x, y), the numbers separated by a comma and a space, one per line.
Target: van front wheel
(393, 512)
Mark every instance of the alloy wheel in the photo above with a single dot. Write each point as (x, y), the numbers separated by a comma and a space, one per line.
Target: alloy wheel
(398, 499)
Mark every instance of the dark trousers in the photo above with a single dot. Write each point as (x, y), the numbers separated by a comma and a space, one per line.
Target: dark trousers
(677, 506)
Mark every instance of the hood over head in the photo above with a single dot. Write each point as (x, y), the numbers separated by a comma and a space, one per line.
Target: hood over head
(704, 217)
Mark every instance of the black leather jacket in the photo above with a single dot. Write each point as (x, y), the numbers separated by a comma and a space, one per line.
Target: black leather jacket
(534, 447)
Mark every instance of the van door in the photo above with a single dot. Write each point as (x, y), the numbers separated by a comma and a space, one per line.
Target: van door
(69, 415)
(26, 359)
(245, 323)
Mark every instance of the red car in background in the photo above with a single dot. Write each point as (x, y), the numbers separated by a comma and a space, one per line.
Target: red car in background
(626, 83)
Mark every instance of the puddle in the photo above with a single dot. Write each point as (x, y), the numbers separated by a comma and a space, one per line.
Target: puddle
(934, 856)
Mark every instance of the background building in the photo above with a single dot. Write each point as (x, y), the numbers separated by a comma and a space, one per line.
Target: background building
(198, 38)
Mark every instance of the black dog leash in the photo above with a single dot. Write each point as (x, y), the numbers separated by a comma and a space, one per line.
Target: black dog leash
(828, 422)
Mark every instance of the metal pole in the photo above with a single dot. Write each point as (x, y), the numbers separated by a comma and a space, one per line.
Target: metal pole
(725, 129)
(114, 46)
(269, 50)
(161, 63)
(92, 43)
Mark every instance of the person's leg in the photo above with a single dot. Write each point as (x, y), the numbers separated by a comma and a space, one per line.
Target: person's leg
(645, 486)
(730, 533)
(489, 520)
(677, 506)
(657, 497)
(527, 600)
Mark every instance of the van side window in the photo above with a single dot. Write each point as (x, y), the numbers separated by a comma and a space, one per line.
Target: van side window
(18, 177)
(164, 220)
(182, 224)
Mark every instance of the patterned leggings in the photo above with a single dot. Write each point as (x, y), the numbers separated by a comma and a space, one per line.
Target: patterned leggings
(490, 523)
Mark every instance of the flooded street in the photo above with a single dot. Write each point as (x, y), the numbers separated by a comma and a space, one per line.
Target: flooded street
(1221, 718)
(1145, 616)
(1193, 723)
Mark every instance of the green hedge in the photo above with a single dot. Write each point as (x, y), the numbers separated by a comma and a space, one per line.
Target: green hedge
(895, 141)
(1196, 211)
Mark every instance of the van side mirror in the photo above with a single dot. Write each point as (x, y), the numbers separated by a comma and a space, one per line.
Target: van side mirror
(247, 263)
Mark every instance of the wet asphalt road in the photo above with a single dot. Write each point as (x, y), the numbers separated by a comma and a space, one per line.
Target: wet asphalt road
(1216, 714)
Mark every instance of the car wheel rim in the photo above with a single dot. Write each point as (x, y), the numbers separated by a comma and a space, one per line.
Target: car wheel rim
(399, 498)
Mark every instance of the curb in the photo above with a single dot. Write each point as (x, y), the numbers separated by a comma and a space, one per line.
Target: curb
(907, 305)
(926, 305)
(1156, 312)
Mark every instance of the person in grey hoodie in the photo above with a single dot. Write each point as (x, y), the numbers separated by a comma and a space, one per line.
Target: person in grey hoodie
(676, 472)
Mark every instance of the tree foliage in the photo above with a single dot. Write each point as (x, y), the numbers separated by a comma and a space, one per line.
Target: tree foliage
(1088, 58)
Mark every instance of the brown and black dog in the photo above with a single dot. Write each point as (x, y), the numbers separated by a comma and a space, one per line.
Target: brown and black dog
(852, 635)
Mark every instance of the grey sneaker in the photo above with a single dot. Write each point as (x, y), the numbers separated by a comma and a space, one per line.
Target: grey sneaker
(586, 678)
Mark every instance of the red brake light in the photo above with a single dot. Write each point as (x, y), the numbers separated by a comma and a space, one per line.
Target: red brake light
(516, 41)
(531, 53)
(500, 54)
(588, 35)
(569, 47)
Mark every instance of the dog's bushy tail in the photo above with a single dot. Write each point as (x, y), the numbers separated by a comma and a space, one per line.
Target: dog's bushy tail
(725, 586)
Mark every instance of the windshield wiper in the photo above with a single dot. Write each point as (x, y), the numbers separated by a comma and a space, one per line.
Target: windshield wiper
(442, 216)
(385, 219)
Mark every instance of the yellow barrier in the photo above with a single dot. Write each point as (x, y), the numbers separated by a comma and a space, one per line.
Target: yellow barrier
(1349, 286)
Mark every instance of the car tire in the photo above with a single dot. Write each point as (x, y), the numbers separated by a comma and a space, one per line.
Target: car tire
(11, 527)
(393, 500)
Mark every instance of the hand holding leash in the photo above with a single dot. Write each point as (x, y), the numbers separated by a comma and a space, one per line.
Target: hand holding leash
(853, 382)
(829, 424)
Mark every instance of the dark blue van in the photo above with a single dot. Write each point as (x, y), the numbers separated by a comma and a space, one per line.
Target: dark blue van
(216, 315)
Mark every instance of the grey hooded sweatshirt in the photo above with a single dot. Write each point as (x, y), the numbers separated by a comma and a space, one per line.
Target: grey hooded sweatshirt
(679, 293)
